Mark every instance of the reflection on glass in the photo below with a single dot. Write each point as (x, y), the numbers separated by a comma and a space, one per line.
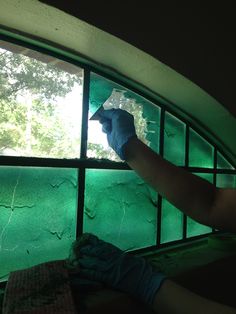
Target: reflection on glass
(174, 140)
(37, 215)
(222, 163)
(111, 95)
(194, 228)
(120, 208)
(200, 151)
(171, 223)
(40, 104)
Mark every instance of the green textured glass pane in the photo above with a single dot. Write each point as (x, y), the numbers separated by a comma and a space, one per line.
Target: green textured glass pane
(40, 105)
(120, 208)
(193, 227)
(174, 140)
(100, 90)
(222, 163)
(200, 151)
(111, 95)
(226, 180)
(171, 223)
(206, 176)
(37, 215)
(152, 114)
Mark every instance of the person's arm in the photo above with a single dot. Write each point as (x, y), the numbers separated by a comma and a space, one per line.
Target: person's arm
(193, 195)
(103, 262)
(174, 299)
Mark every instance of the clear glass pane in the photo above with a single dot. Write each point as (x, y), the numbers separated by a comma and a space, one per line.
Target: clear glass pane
(40, 104)
(111, 95)
(200, 151)
(174, 140)
(171, 223)
(193, 227)
(222, 163)
(226, 180)
(37, 215)
(120, 208)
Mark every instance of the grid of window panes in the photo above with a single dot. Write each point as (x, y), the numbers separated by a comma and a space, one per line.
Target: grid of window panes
(77, 183)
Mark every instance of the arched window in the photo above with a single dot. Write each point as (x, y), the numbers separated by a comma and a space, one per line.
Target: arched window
(58, 176)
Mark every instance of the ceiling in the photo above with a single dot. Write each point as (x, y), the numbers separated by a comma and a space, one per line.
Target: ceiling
(197, 41)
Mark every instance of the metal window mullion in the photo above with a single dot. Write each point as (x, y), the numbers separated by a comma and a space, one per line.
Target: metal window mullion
(215, 166)
(85, 110)
(80, 203)
(215, 161)
(68, 56)
(161, 153)
(83, 153)
(186, 163)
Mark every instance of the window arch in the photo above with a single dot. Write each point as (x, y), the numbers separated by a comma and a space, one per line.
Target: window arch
(61, 179)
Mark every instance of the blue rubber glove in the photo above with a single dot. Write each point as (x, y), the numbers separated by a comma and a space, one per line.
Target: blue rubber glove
(119, 126)
(104, 262)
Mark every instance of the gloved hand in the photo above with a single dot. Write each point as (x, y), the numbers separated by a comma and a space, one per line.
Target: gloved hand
(119, 126)
(106, 263)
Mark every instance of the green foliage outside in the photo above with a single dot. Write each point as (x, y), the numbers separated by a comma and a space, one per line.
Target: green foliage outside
(30, 122)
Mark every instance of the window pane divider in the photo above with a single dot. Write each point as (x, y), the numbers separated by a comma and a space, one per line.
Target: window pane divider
(83, 153)
(215, 173)
(80, 204)
(186, 165)
(161, 152)
(89, 163)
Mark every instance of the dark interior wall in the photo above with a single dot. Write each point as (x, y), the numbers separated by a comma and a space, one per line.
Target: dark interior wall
(197, 40)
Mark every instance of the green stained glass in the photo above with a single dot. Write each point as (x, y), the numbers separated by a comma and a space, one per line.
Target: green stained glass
(174, 140)
(100, 90)
(171, 223)
(193, 227)
(226, 180)
(37, 215)
(222, 163)
(200, 151)
(120, 208)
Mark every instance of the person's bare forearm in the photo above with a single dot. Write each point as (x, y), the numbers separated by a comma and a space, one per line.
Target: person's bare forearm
(174, 299)
(191, 194)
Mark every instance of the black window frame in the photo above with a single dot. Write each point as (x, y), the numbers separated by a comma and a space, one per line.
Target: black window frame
(84, 163)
